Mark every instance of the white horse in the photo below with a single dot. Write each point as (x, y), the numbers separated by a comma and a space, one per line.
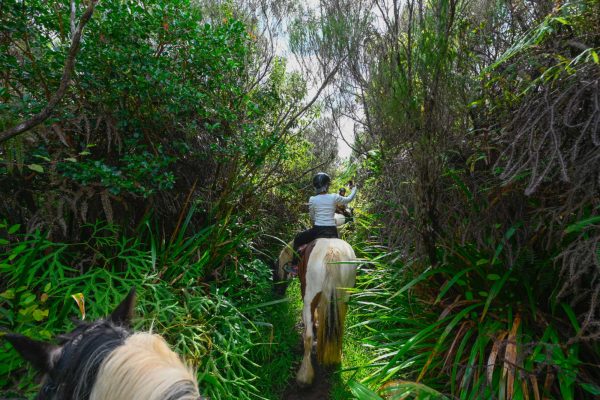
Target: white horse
(340, 219)
(330, 270)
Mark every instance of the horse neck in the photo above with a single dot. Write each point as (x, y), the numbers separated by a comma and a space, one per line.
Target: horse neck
(82, 353)
(145, 368)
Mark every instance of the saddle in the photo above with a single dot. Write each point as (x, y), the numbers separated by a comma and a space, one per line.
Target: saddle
(304, 252)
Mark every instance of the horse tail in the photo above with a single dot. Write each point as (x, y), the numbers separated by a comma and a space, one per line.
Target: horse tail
(331, 311)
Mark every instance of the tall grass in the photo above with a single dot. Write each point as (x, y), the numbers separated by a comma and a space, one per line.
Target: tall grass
(203, 320)
(470, 329)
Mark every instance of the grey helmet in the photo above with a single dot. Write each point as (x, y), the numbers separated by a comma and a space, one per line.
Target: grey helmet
(321, 182)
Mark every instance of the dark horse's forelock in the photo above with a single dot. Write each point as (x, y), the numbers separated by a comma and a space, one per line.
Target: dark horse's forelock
(83, 351)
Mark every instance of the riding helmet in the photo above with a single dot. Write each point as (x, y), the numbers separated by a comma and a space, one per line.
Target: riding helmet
(321, 182)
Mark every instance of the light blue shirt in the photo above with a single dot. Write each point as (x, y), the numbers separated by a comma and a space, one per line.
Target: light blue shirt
(322, 207)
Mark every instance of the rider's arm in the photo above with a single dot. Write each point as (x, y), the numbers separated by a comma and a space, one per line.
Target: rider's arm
(345, 200)
(311, 210)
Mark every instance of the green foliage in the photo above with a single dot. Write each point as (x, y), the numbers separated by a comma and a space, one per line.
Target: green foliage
(480, 134)
(467, 329)
(162, 97)
(141, 174)
(211, 325)
(479, 153)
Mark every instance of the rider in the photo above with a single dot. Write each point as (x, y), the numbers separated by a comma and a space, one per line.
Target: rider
(322, 209)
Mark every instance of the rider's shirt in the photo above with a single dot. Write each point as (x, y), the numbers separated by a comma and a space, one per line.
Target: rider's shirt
(322, 207)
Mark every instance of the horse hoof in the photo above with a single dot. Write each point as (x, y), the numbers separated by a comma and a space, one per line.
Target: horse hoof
(305, 377)
(303, 384)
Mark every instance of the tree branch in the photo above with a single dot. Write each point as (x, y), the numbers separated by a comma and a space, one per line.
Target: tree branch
(64, 81)
(325, 83)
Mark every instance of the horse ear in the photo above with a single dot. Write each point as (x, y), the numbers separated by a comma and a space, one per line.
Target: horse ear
(124, 311)
(39, 354)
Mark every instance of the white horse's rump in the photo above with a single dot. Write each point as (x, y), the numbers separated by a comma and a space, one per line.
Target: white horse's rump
(327, 276)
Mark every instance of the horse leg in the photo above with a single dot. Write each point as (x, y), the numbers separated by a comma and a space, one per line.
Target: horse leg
(306, 372)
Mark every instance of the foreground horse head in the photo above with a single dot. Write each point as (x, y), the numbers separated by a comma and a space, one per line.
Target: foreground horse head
(105, 360)
(330, 270)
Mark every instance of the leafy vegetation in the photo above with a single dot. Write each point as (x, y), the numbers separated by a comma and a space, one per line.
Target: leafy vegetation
(214, 327)
(178, 157)
(475, 121)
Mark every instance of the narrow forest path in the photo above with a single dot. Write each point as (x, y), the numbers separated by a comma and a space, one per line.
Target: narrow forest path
(321, 387)
(319, 390)
(330, 383)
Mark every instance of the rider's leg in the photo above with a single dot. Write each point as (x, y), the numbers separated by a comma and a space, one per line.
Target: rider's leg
(304, 237)
(329, 232)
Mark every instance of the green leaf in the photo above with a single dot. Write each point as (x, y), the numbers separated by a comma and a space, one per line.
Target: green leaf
(452, 324)
(13, 229)
(28, 299)
(580, 225)
(590, 388)
(362, 392)
(496, 288)
(266, 304)
(39, 315)
(424, 275)
(402, 389)
(16, 251)
(493, 277)
(562, 20)
(509, 233)
(451, 283)
(571, 316)
(8, 295)
(36, 168)
(595, 56)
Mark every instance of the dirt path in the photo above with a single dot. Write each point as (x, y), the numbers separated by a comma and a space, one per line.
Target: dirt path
(319, 390)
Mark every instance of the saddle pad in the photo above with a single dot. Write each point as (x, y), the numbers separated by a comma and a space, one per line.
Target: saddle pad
(303, 265)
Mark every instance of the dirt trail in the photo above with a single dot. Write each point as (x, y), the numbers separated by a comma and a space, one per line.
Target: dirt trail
(319, 390)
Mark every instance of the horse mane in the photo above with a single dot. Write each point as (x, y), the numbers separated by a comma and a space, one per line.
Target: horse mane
(82, 353)
(144, 367)
(104, 361)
